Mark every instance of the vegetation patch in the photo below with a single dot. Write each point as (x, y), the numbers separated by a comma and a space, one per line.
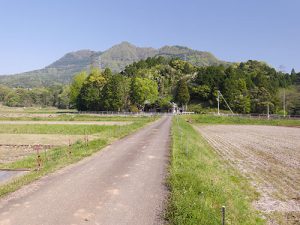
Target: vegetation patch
(201, 183)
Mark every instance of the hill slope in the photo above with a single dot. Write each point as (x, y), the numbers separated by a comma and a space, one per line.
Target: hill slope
(116, 58)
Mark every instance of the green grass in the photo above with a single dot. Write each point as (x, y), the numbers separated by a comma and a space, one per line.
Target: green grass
(213, 119)
(74, 117)
(55, 129)
(60, 157)
(201, 183)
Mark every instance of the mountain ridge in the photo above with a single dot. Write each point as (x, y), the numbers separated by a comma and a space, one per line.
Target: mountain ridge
(116, 58)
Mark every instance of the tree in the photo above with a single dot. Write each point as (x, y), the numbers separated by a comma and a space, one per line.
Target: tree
(237, 95)
(3, 92)
(76, 86)
(90, 94)
(260, 99)
(200, 92)
(107, 73)
(64, 98)
(115, 93)
(143, 91)
(12, 99)
(182, 93)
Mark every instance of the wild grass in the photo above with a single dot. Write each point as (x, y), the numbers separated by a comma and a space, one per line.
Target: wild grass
(62, 156)
(56, 129)
(214, 119)
(201, 183)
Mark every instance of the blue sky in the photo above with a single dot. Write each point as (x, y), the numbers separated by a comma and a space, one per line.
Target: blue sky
(34, 33)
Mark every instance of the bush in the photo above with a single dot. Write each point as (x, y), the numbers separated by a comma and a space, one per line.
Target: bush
(134, 109)
(196, 108)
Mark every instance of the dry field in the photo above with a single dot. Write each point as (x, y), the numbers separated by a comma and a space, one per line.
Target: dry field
(270, 157)
(28, 115)
(15, 146)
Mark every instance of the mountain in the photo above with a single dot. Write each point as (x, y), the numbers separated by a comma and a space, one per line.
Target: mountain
(116, 58)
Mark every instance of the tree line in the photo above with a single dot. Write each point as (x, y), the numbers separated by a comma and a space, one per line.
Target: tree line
(154, 83)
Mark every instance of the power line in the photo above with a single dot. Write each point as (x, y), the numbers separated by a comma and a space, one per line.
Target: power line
(218, 99)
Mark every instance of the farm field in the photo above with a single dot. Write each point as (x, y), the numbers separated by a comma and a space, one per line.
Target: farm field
(270, 158)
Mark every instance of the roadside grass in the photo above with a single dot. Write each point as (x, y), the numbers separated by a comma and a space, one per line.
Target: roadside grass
(214, 119)
(201, 183)
(60, 157)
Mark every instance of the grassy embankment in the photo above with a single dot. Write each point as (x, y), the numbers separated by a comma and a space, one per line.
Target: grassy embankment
(62, 156)
(201, 183)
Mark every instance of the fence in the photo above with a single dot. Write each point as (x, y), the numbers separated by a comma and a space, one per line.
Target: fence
(112, 113)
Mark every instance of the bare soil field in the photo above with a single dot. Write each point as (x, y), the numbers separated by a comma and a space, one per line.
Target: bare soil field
(100, 123)
(28, 115)
(16, 146)
(270, 157)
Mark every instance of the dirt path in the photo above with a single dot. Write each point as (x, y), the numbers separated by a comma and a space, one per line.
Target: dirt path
(122, 184)
(269, 156)
(120, 123)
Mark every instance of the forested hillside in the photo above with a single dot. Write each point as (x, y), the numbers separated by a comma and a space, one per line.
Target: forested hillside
(116, 58)
(153, 84)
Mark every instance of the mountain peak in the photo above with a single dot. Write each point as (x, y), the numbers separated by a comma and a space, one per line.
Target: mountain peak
(116, 58)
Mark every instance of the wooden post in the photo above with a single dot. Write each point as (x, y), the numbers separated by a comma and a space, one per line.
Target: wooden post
(70, 150)
(223, 215)
(39, 160)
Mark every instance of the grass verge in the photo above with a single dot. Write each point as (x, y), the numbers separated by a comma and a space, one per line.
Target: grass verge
(201, 183)
(62, 156)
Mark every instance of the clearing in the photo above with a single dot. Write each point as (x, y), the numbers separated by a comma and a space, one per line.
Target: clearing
(270, 157)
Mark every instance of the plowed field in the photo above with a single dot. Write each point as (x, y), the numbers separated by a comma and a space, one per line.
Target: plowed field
(270, 157)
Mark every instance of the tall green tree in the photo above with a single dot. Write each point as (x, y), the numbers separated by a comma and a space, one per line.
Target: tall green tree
(116, 93)
(143, 91)
(76, 86)
(182, 93)
(90, 96)
(64, 98)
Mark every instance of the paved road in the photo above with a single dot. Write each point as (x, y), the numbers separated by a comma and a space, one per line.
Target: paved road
(122, 184)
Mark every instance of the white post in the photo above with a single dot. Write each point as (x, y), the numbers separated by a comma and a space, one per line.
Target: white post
(268, 111)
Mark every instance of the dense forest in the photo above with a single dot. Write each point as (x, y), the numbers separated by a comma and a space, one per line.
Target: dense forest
(153, 84)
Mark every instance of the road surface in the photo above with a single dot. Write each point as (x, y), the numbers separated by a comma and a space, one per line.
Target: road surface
(122, 184)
